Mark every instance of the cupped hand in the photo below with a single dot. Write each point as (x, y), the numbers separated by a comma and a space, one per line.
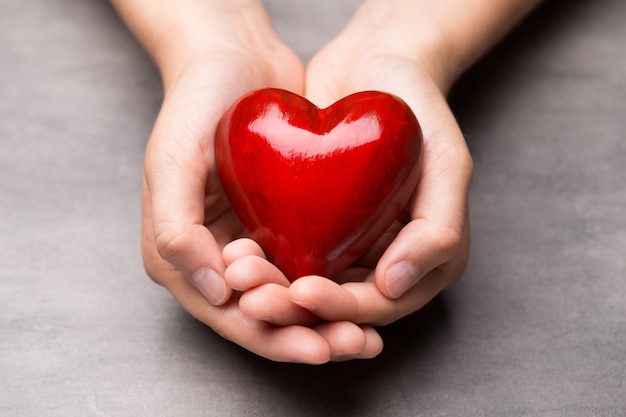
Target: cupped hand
(427, 249)
(209, 54)
(423, 252)
(186, 219)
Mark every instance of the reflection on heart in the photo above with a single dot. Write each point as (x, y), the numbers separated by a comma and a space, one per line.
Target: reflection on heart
(316, 187)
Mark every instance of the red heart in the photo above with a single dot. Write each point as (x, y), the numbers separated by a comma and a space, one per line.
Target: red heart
(317, 187)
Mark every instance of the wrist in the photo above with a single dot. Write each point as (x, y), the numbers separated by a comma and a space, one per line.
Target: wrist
(401, 29)
(443, 38)
(239, 26)
(179, 33)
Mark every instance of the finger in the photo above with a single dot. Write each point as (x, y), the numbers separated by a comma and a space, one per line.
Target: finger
(349, 341)
(177, 200)
(271, 303)
(362, 302)
(375, 308)
(374, 343)
(420, 247)
(345, 338)
(325, 298)
(239, 248)
(440, 226)
(251, 271)
(292, 344)
(205, 279)
(266, 294)
(179, 169)
(358, 302)
(158, 269)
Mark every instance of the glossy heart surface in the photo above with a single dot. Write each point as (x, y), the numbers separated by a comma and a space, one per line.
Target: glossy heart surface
(317, 187)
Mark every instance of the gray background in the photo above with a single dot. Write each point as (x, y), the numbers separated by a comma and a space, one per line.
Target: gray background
(537, 327)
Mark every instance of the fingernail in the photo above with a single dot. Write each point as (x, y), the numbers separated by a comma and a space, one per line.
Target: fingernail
(305, 304)
(211, 285)
(400, 277)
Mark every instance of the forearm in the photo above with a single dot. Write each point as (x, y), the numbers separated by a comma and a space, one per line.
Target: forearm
(174, 32)
(446, 36)
(471, 28)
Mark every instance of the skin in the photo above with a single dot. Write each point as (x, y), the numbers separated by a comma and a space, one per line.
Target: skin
(211, 52)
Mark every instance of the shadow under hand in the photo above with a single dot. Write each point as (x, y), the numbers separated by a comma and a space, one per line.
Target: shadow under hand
(505, 69)
(417, 346)
(412, 346)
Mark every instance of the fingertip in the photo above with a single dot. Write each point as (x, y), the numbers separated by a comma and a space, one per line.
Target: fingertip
(236, 276)
(271, 303)
(305, 345)
(326, 298)
(374, 344)
(301, 289)
(251, 271)
(345, 338)
(317, 353)
(310, 291)
(349, 341)
(239, 248)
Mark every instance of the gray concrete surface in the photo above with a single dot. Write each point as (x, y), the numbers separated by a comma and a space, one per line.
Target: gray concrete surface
(537, 327)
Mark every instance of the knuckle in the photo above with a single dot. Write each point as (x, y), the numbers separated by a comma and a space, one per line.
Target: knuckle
(449, 240)
(154, 265)
(170, 241)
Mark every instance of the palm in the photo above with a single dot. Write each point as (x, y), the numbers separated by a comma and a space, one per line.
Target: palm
(433, 233)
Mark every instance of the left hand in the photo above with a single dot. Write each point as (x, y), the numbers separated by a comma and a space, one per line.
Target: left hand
(426, 250)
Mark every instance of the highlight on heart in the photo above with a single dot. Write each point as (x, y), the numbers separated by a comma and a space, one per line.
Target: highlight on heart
(315, 188)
